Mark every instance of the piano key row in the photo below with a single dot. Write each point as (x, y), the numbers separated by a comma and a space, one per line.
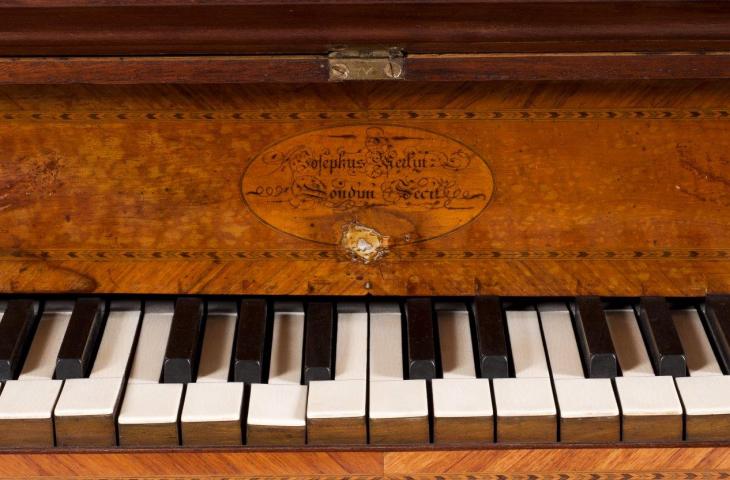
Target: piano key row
(161, 374)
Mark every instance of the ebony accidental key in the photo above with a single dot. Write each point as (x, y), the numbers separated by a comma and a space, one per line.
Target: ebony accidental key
(662, 341)
(183, 344)
(421, 346)
(490, 338)
(16, 331)
(81, 340)
(251, 341)
(594, 338)
(319, 342)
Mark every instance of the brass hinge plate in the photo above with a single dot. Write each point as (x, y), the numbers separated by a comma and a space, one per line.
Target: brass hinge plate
(366, 64)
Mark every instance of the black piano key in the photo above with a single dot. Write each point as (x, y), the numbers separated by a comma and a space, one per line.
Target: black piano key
(319, 342)
(594, 339)
(421, 345)
(81, 340)
(16, 332)
(491, 341)
(717, 313)
(661, 338)
(183, 345)
(251, 341)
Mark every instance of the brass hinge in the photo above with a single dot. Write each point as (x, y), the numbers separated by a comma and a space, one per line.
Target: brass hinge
(366, 64)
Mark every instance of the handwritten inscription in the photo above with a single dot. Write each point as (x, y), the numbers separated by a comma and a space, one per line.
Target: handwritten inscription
(407, 183)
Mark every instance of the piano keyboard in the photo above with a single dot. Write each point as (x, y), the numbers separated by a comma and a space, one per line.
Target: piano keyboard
(289, 372)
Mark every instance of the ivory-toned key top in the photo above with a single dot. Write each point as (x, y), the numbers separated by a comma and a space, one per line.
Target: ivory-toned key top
(587, 406)
(696, 345)
(462, 410)
(588, 410)
(398, 408)
(386, 347)
(525, 410)
(706, 392)
(336, 412)
(277, 410)
(462, 404)
(650, 406)
(220, 330)
(457, 354)
(398, 412)
(528, 354)
(276, 414)
(287, 340)
(150, 410)
(87, 407)
(149, 414)
(525, 407)
(26, 404)
(336, 408)
(211, 413)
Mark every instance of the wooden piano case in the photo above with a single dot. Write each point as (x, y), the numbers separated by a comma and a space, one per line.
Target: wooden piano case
(510, 148)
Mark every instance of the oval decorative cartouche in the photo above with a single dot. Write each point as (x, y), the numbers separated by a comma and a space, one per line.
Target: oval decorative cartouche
(400, 184)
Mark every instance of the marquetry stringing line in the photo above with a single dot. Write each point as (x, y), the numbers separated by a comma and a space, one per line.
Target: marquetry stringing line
(370, 115)
(683, 475)
(396, 253)
(706, 475)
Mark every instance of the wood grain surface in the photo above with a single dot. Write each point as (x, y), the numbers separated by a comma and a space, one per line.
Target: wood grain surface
(517, 464)
(610, 188)
(264, 27)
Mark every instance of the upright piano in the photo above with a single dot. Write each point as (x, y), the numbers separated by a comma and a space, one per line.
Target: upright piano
(350, 239)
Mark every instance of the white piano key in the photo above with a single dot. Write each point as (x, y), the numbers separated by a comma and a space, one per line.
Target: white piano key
(213, 402)
(282, 405)
(336, 399)
(705, 394)
(345, 396)
(386, 347)
(152, 342)
(457, 354)
(523, 397)
(562, 347)
(220, 331)
(697, 348)
(89, 396)
(586, 397)
(706, 391)
(628, 343)
(29, 399)
(462, 397)
(40, 364)
(117, 341)
(286, 344)
(640, 392)
(398, 399)
(151, 403)
(352, 342)
(459, 394)
(644, 395)
(578, 397)
(528, 354)
(100, 394)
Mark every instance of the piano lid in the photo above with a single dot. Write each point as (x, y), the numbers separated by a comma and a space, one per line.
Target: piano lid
(287, 40)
